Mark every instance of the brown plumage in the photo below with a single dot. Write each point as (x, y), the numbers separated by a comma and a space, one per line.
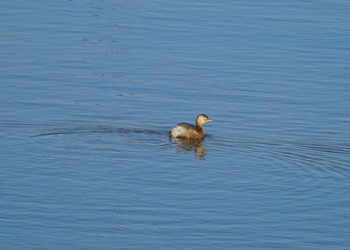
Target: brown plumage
(189, 131)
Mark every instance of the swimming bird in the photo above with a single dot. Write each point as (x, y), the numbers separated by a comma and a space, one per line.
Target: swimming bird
(189, 131)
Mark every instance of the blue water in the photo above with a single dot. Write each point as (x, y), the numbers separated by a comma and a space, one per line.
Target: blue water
(90, 89)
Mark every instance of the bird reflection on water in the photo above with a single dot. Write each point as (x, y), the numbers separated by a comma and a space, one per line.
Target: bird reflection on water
(183, 145)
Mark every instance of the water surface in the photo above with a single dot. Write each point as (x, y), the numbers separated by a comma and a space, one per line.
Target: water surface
(90, 90)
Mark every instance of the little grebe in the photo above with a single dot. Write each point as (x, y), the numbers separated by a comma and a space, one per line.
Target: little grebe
(188, 131)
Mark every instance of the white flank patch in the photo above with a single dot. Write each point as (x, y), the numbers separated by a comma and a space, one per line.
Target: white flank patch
(178, 131)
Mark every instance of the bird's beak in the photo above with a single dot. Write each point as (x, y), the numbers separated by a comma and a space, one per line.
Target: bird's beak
(209, 120)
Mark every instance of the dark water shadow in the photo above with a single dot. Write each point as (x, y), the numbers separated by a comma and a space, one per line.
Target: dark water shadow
(90, 130)
(16, 124)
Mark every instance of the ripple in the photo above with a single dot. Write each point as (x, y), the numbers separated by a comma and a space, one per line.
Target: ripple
(328, 157)
(318, 157)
